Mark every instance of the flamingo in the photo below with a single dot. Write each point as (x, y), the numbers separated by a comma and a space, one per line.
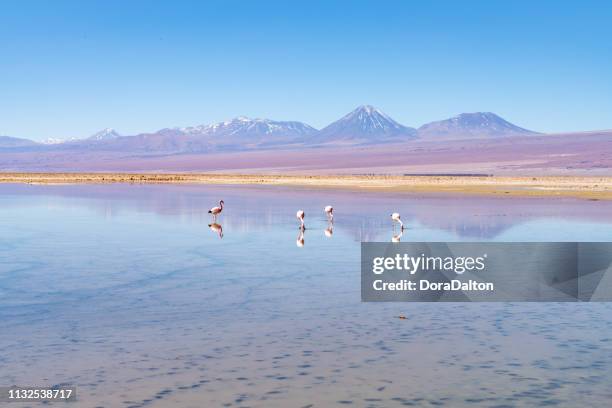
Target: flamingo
(300, 217)
(217, 228)
(395, 217)
(329, 211)
(216, 210)
(300, 239)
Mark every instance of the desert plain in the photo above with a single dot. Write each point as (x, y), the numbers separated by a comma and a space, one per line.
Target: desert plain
(586, 187)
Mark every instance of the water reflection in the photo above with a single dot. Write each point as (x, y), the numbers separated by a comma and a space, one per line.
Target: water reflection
(217, 229)
(146, 299)
(262, 208)
(397, 237)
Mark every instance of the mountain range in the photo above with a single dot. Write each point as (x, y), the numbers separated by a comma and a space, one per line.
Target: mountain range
(366, 125)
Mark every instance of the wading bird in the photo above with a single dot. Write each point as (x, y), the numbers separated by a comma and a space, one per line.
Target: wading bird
(329, 231)
(300, 217)
(396, 218)
(215, 211)
(329, 211)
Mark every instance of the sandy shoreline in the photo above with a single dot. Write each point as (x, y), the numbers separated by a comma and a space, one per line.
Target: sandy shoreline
(563, 186)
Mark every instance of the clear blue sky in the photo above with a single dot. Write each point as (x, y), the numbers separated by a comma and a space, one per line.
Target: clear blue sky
(69, 68)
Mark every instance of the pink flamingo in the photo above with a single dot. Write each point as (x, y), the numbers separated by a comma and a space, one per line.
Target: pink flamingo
(215, 211)
(329, 211)
(300, 217)
(395, 217)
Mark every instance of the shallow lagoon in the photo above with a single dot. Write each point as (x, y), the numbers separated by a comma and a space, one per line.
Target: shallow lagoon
(126, 292)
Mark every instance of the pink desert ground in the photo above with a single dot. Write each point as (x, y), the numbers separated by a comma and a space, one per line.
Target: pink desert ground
(585, 153)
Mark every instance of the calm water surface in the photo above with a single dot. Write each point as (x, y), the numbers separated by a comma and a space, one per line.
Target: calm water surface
(125, 291)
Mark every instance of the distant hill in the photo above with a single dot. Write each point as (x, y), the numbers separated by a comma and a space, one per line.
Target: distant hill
(472, 126)
(12, 142)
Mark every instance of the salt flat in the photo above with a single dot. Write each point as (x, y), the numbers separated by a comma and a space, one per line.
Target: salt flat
(562, 186)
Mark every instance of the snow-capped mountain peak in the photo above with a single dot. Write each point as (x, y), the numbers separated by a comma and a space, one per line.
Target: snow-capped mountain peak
(366, 124)
(367, 109)
(247, 127)
(105, 134)
(57, 140)
(52, 141)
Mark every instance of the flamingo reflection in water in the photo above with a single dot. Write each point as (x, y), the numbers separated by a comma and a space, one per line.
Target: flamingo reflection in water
(300, 238)
(397, 237)
(216, 228)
